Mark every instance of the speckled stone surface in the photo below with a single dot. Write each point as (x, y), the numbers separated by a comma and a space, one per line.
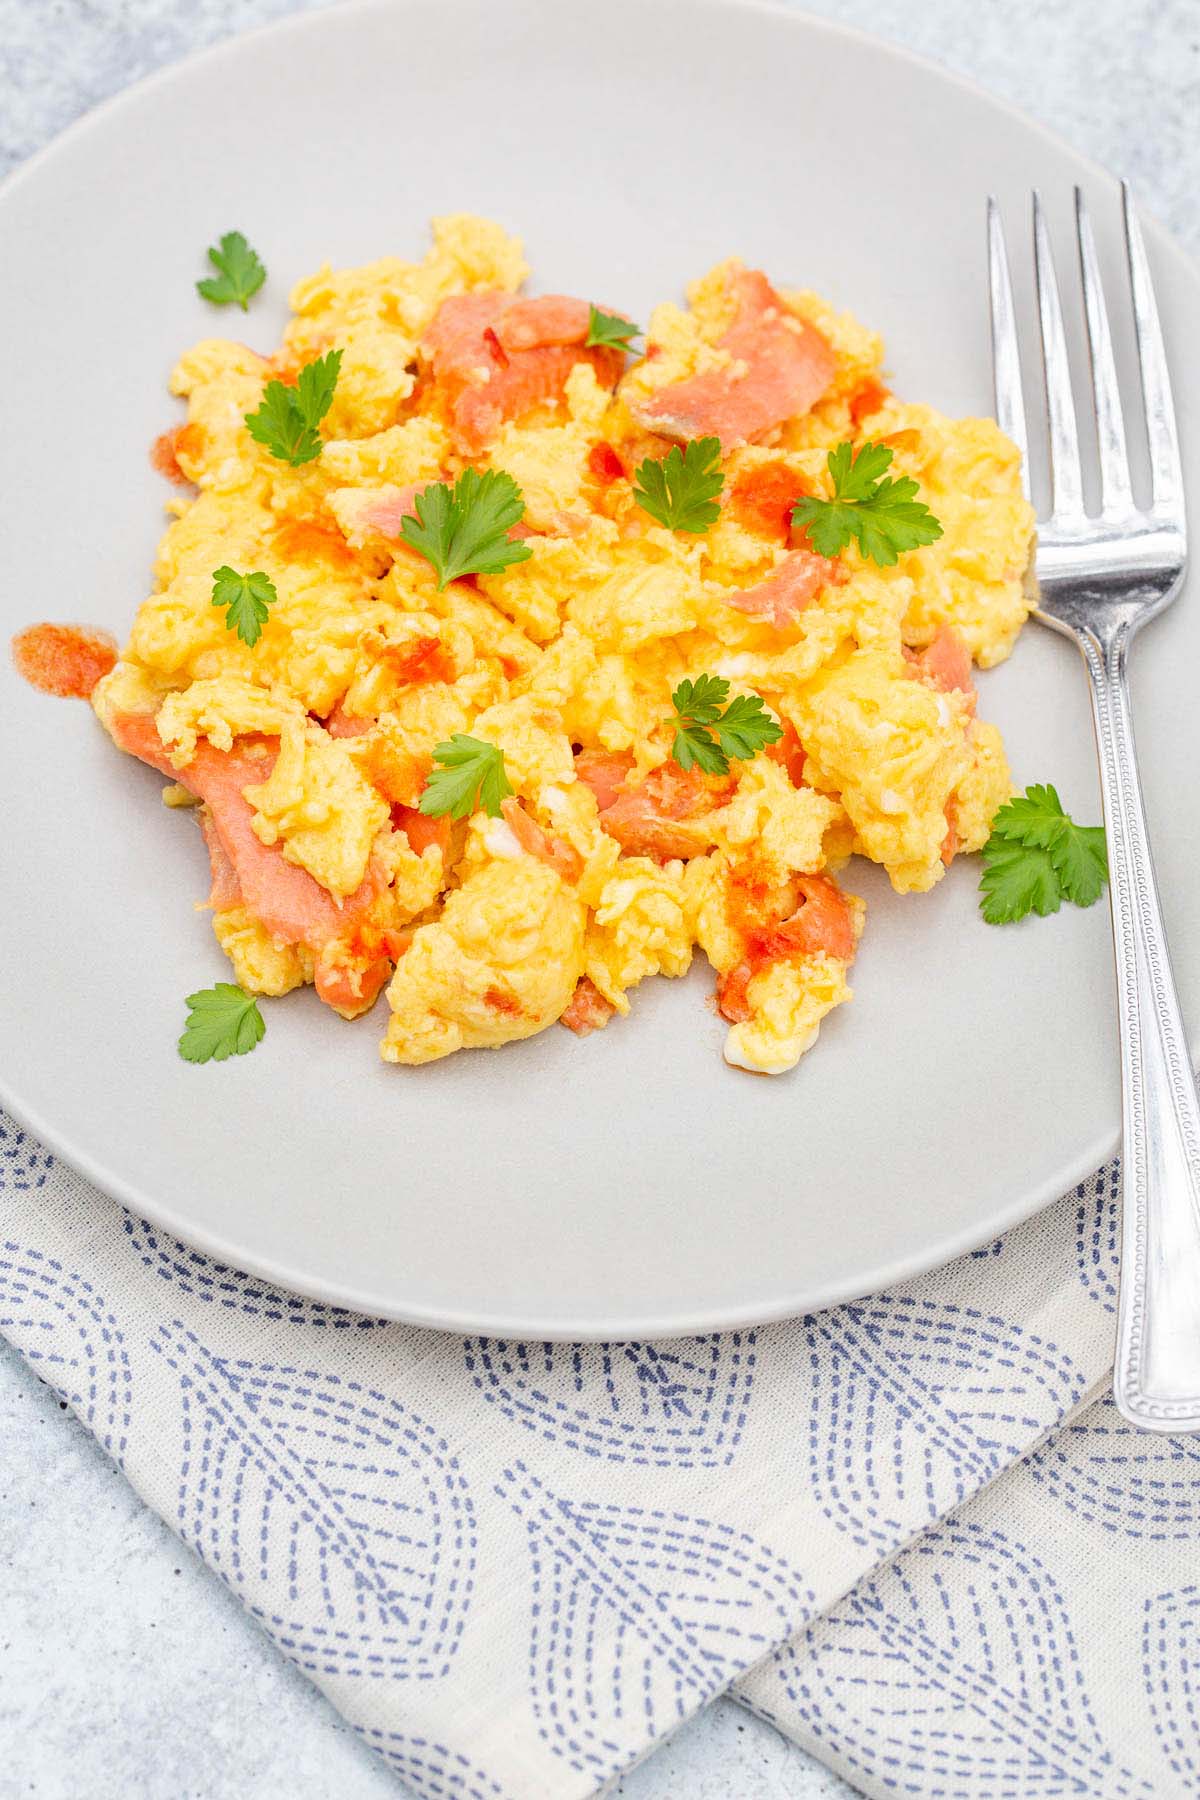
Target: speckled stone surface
(125, 1668)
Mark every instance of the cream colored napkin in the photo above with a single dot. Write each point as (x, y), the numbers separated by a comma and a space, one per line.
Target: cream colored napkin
(515, 1567)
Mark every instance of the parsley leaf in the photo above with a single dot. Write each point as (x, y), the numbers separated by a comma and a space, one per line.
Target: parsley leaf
(710, 738)
(287, 419)
(1080, 859)
(681, 490)
(1034, 818)
(246, 599)
(241, 273)
(1017, 880)
(609, 331)
(222, 1021)
(1037, 856)
(878, 511)
(472, 776)
(463, 530)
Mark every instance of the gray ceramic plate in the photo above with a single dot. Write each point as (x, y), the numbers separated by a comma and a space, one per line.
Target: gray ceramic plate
(630, 1184)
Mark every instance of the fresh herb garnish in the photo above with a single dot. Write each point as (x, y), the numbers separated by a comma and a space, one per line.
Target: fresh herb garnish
(287, 419)
(1037, 857)
(609, 331)
(710, 738)
(471, 777)
(875, 509)
(680, 492)
(240, 275)
(463, 530)
(246, 599)
(222, 1021)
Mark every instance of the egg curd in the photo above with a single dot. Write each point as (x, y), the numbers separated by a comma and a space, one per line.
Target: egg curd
(304, 757)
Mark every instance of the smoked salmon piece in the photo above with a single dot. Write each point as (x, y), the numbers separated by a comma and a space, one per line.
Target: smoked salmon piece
(348, 976)
(780, 366)
(350, 972)
(455, 332)
(420, 829)
(555, 852)
(945, 663)
(485, 382)
(350, 990)
(789, 751)
(535, 324)
(64, 660)
(292, 906)
(605, 772)
(226, 889)
(822, 922)
(657, 817)
(386, 511)
(733, 1001)
(587, 1009)
(783, 596)
(341, 724)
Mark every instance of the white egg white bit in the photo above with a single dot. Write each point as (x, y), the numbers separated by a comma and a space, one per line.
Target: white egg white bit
(499, 840)
(945, 711)
(890, 801)
(554, 799)
(737, 1060)
(733, 668)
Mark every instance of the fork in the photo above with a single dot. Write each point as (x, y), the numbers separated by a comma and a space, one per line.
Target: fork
(1101, 578)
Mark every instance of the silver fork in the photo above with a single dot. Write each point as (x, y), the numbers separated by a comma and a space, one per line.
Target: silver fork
(1101, 578)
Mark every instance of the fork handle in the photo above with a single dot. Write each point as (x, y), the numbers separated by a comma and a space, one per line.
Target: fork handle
(1157, 1375)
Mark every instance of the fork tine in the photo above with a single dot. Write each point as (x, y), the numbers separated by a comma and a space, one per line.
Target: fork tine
(1161, 433)
(1006, 357)
(1115, 488)
(1066, 479)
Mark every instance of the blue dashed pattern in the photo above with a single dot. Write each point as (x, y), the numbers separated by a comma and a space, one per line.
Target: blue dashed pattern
(1137, 1484)
(1171, 1672)
(668, 1406)
(914, 1405)
(1098, 1236)
(340, 1519)
(433, 1771)
(198, 1276)
(24, 1165)
(955, 1673)
(67, 1334)
(638, 1615)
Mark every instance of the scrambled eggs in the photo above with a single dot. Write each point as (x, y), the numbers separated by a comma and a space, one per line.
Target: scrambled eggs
(306, 754)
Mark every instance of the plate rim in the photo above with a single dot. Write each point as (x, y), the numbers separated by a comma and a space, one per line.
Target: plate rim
(160, 1214)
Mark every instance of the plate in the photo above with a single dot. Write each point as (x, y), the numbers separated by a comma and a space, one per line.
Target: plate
(630, 1184)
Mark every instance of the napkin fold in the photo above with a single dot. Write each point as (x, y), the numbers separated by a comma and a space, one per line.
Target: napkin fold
(515, 1567)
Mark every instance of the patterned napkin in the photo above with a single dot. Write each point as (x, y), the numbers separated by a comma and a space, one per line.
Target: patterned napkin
(514, 1568)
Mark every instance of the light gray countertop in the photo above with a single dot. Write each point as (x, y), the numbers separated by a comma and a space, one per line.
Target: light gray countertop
(127, 1669)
